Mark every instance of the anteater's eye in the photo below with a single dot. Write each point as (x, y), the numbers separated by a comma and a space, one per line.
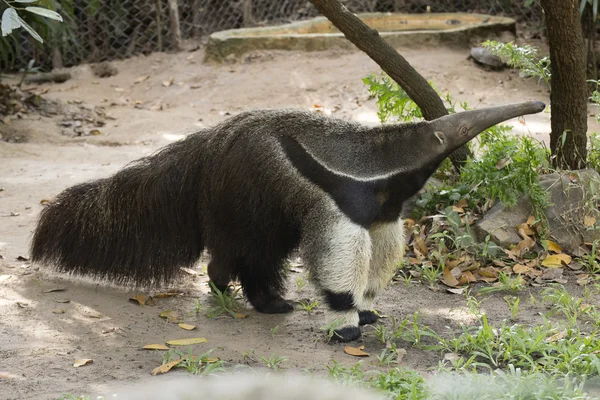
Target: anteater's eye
(464, 131)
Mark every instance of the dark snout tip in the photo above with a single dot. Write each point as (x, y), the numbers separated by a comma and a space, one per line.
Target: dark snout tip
(538, 106)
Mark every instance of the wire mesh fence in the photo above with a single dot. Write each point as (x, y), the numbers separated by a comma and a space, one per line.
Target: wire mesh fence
(101, 30)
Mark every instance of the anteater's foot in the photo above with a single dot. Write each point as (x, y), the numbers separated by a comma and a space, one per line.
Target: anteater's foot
(367, 317)
(346, 334)
(272, 305)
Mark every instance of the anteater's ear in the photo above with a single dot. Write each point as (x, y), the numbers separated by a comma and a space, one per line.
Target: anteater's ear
(441, 137)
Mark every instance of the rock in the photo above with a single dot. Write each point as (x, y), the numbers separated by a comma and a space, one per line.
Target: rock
(573, 196)
(500, 222)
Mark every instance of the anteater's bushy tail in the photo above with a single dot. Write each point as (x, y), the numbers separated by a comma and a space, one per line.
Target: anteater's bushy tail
(139, 225)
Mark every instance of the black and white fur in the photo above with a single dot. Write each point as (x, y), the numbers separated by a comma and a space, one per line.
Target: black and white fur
(251, 190)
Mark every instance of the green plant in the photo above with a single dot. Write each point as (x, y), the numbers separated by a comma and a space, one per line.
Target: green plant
(591, 260)
(523, 57)
(388, 356)
(571, 307)
(226, 302)
(513, 306)
(274, 362)
(197, 365)
(300, 283)
(308, 305)
(431, 273)
(508, 167)
(505, 284)
(274, 330)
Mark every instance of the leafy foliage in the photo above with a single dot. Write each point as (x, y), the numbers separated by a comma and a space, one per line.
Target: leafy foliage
(508, 168)
(523, 57)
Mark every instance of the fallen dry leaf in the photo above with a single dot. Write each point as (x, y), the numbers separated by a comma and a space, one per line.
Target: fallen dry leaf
(503, 162)
(556, 337)
(81, 362)
(420, 245)
(63, 301)
(58, 311)
(139, 299)
(521, 269)
(448, 279)
(588, 220)
(240, 315)
(526, 229)
(455, 290)
(488, 272)
(187, 342)
(169, 294)
(55, 290)
(172, 316)
(356, 352)
(523, 247)
(168, 83)
(155, 346)
(458, 209)
(400, 353)
(166, 367)
(8, 375)
(141, 79)
(554, 247)
(556, 260)
(531, 220)
(187, 327)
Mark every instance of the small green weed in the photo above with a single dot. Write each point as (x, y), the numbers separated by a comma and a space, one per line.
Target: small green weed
(513, 306)
(505, 284)
(308, 305)
(274, 362)
(197, 365)
(226, 303)
(300, 284)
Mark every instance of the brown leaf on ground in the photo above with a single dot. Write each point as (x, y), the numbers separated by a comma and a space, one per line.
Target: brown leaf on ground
(163, 369)
(419, 244)
(187, 327)
(187, 342)
(448, 278)
(356, 352)
(155, 346)
(556, 260)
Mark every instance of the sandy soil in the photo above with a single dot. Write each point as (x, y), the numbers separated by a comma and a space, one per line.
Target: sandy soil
(37, 161)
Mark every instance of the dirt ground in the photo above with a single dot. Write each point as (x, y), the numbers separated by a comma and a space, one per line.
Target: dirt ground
(38, 160)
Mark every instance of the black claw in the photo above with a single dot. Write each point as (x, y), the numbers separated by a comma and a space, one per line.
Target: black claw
(346, 334)
(367, 317)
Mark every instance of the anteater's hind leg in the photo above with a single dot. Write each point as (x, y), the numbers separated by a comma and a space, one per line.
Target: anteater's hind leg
(387, 241)
(338, 253)
(220, 272)
(260, 274)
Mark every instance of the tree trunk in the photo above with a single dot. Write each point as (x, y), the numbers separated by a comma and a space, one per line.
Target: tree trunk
(568, 97)
(369, 41)
(174, 24)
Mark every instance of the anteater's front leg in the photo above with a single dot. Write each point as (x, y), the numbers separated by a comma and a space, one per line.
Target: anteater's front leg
(387, 241)
(338, 254)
